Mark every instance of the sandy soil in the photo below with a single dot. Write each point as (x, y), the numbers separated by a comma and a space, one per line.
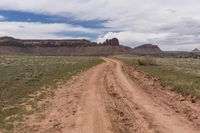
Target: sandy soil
(114, 98)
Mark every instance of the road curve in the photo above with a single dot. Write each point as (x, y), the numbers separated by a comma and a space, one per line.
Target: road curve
(105, 99)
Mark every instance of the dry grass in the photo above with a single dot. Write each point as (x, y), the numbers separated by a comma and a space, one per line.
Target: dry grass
(21, 76)
(146, 61)
(182, 74)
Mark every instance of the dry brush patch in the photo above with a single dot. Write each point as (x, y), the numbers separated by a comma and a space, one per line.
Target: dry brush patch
(181, 74)
(25, 80)
(163, 95)
(185, 105)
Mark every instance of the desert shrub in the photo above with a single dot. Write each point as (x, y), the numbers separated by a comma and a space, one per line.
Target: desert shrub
(147, 61)
(22, 76)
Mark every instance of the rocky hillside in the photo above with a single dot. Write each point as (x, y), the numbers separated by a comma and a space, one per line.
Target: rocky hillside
(147, 49)
(196, 50)
(12, 46)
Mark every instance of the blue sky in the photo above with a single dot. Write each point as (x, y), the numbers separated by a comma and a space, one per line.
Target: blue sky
(21, 16)
(169, 24)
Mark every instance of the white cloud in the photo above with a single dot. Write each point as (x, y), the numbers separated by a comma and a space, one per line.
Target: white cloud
(2, 17)
(39, 30)
(140, 21)
(132, 38)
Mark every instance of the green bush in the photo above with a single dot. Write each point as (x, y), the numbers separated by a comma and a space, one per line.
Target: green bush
(147, 61)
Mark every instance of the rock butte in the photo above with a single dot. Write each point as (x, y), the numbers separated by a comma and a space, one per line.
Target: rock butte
(12, 46)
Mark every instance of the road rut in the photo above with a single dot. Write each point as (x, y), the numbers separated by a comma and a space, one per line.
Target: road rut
(105, 99)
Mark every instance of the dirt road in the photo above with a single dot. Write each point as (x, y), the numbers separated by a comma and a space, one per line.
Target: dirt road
(106, 99)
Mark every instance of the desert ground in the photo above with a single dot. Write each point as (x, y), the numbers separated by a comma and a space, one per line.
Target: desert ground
(99, 66)
(113, 97)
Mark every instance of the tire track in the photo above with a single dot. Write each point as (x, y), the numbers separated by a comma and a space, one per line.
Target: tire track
(105, 99)
(162, 118)
(125, 116)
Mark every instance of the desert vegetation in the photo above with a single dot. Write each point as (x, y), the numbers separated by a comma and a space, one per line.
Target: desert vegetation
(22, 76)
(182, 74)
(146, 61)
(35, 96)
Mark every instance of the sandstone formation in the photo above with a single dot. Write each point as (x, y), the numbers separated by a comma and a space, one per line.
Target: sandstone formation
(196, 50)
(12, 46)
(112, 42)
(147, 49)
(81, 47)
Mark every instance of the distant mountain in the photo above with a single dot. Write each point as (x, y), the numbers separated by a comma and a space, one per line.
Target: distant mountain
(196, 50)
(4, 38)
(77, 47)
(12, 46)
(147, 49)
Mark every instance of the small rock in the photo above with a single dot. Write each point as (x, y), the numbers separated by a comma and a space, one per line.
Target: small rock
(182, 99)
(56, 125)
(193, 101)
(121, 114)
(35, 129)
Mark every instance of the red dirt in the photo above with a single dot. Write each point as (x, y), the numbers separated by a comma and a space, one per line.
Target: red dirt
(114, 98)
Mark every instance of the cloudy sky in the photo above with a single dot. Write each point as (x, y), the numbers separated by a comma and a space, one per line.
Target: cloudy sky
(171, 24)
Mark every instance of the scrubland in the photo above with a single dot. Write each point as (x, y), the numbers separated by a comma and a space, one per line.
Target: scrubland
(22, 76)
(182, 74)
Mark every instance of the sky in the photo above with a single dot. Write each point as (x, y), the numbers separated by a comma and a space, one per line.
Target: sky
(170, 24)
